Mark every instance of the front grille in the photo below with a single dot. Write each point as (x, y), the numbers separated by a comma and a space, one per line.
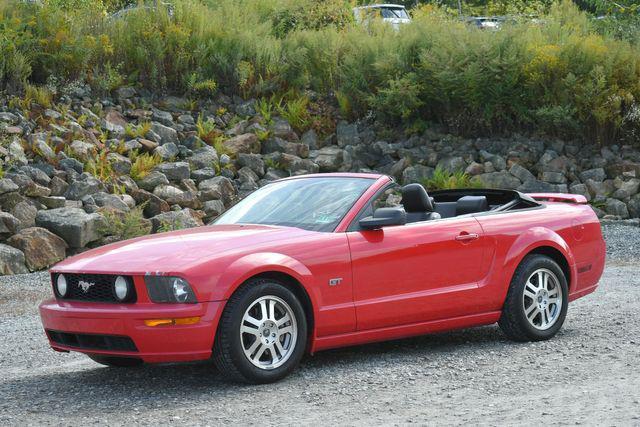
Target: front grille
(100, 289)
(92, 341)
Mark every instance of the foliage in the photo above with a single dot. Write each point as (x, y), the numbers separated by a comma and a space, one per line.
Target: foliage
(143, 164)
(125, 225)
(442, 179)
(566, 74)
(100, 166)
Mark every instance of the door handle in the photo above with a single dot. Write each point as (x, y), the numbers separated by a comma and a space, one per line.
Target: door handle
(466, 237)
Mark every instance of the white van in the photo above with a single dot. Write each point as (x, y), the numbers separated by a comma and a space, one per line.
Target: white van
(395, 14)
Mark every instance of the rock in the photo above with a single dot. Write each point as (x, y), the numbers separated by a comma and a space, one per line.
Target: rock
(12, 260)
(147, 144)
(111, 201)
(581, 189)
(474, 168)
(536, 186)
(176, 196)
(246, 109)
(153, 205)
(218, 188)
(329, 159)
(16, 153)
(553, 177)
(502, 180)
(41, 147)
(167, 134)
(7, 186)
(398, 167)
(276, 144)
(213, 208)
(205, 157)
(74, 225)
(175, 171)
(40, 247)
(416, 174)
(186, 119)
(86, 185)
(9, 224)
(25, 213)
(82, 149)
(152, 180)
(71, 164)
(453, 164)
(200, 175)
(167, 151)
(616, 207)
(634, 206)
(347, 134)
(310, 139)
(597, 174)
(175, 220)
(245, 143)
(521, 173)
(282, 129)
(52, 202)
(163, 117)
(37, 175)
(120, 164)
(192, 142)
(252, 161)
(600, 188)
(114, 123)
(125, 92)
(627, 189)
(9, 118)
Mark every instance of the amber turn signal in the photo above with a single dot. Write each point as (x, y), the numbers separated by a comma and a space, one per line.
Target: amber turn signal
(180, 321)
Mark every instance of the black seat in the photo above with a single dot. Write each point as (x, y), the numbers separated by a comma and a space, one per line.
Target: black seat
(417, 204)
(471, 204)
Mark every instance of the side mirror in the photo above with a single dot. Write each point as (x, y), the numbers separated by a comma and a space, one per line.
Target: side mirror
(384, 217)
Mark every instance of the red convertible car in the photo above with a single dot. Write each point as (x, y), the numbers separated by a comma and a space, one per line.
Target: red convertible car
(322, 261)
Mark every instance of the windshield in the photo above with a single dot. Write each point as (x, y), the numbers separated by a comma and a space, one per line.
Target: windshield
(316, 204)
(388, 12)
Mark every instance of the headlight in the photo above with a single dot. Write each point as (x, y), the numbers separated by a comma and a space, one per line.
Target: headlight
(122, 288)
(61, 285)
(169, 289)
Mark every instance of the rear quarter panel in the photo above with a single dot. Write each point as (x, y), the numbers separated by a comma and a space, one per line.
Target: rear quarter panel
(571, 229)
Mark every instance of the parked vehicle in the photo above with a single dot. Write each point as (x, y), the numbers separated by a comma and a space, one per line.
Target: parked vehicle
(315, 262)
(394, 14)
(487, 22)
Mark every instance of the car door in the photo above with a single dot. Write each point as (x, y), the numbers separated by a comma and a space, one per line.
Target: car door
(416, 272)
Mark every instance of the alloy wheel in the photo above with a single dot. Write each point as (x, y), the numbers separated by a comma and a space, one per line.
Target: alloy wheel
(268, 332)
(542, 299)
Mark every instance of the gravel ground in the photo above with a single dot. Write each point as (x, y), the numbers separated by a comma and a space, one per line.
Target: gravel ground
(588, 374)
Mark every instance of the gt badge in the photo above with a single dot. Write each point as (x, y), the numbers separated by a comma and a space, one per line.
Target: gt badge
(336, 281)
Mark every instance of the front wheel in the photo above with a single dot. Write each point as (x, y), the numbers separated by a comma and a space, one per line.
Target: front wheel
(262, 333)
(537, 300)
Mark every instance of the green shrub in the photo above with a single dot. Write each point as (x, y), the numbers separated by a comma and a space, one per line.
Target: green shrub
(445, 180)
(125, 225)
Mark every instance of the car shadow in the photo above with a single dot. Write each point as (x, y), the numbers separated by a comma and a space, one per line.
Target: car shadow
(174, 383)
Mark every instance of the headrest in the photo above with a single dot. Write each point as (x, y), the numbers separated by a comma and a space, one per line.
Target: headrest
(471, 204)
(416, 199)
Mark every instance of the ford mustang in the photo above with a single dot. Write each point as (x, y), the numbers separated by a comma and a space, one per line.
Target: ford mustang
(322, 261)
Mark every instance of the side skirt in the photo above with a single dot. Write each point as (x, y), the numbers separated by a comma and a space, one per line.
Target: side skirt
(403, 331)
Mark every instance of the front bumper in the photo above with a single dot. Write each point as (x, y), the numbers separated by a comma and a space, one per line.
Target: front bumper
(154, 344)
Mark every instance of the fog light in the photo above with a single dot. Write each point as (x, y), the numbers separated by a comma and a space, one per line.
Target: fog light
(61, 285)
(121, 288)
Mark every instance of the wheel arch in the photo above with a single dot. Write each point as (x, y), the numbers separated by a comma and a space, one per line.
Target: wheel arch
(543, 241)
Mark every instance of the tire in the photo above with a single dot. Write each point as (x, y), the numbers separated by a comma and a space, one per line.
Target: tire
(247, 356)
(535, 312)
(116, 362)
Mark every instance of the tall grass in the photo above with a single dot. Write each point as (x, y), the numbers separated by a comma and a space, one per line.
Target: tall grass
(563, 77)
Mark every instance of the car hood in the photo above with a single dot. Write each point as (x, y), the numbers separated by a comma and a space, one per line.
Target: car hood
(175, 251)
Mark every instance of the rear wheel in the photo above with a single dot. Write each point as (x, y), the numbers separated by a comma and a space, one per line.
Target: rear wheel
(537, 301)
(262, 333)
(116, 362)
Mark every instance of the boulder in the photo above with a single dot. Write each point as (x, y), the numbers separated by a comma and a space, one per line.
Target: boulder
(12, 260)
(502, 180)
(153, 205)
(213, 208)
(204, 157)
(329, 159)
(163, 117)
(167, 134)
(41, 248)
(453, 164)
(218, 188)
(597, 174)
(86, 185)
(245, 143)
(634, 206)
(25, 213)
(168, 151)
(9, 224)
(74, 225)
(347, 134)
(120, 164)
(175, 220)
(176, 196)
(616, 207)
(416, 174)
(580, 189)
(252, 161)
(174, 171)
(152, 180)
(111, 201)
(7, 186)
